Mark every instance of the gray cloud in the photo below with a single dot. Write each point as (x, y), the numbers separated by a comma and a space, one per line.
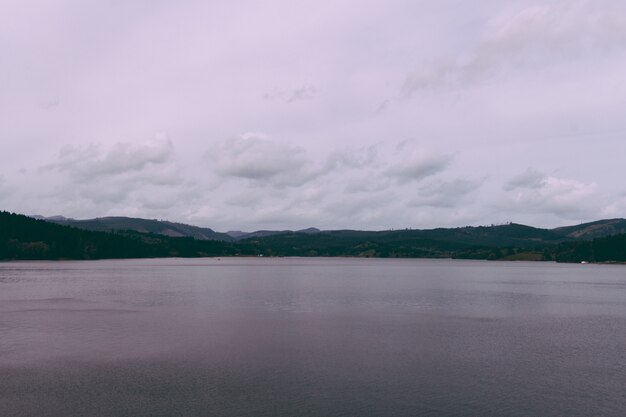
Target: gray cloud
(532, 36)
(382, 107)
(561, 197)
(353, 158)
(495, 87)
(361, 209)
(528, 179)
(248, 199)
(366, 184)
(406, 163)
(445, 193)
(418, 166)
(89, 162)
(304, 92)
(253, 157)
(121, 178)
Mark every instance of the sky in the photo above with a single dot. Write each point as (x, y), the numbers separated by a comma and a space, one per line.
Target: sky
(247, 115)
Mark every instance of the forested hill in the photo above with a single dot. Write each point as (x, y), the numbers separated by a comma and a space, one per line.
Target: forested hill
(606, 249)
(23, 237)
(511, 234)
(161, 227)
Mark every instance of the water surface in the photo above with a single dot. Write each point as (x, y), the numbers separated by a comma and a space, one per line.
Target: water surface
(311, 337)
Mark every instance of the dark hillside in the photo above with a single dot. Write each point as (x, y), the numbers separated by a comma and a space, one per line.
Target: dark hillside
(606, 249)
(484, 242)
(588, 231)
(22, 237)
(161, 227)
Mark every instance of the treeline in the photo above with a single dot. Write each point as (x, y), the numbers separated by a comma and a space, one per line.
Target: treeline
(606, 249)
(362, 244)
(405, 244)
(26, 238)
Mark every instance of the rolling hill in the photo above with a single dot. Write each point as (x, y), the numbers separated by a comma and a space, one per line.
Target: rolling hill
(597, 229)
(161, 227)
(23, 237)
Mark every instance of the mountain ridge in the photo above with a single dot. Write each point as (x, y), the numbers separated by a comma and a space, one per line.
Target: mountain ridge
(122, 223)
(23, 237)
(595, 229)
(590, 230)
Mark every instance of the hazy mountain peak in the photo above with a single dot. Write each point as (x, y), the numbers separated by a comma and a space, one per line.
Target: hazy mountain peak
(57, 217)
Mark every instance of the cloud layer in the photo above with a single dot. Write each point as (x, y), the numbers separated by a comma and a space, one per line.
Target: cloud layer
(361, 115)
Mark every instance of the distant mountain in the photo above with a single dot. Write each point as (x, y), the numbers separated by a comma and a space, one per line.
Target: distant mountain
(593, 230)
(51, 218)
(23, 237)
(483, 242)
(160, 227)
(239, 235)
(235, 234)
(262, 233)
(26, 238)
(310, 230)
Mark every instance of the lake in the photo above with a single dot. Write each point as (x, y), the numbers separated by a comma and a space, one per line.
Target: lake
(311, 337)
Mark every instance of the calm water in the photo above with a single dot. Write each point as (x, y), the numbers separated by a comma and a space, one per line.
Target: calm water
(311, 337)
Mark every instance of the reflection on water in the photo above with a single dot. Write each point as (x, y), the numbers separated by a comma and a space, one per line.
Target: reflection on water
(309, 337)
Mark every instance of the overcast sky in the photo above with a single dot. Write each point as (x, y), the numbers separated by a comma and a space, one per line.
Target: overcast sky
(334, 114)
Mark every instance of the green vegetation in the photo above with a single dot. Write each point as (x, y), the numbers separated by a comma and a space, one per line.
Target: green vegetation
(497, 242)
(610, 249)
(111, 224)
(23, 237)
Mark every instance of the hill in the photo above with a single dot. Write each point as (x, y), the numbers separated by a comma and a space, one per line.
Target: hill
(239, 235)
(23, 237)
(484, 242)
(511, 234)
(611, 249)
(593, 230)
(161, 227)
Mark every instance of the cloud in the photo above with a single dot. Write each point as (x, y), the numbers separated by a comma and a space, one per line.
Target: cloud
(366, 184)
(534, 36)
(86, 163)
(534, 192)
(123, 178)
(304, 92)
(255, 158)
(252, 198)
(361, 209)
(382, 107)
(496, 87)
(531, 178)
(445, 193)
(371, 168)
(274, 208)
(417, 164)
(354, 158)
